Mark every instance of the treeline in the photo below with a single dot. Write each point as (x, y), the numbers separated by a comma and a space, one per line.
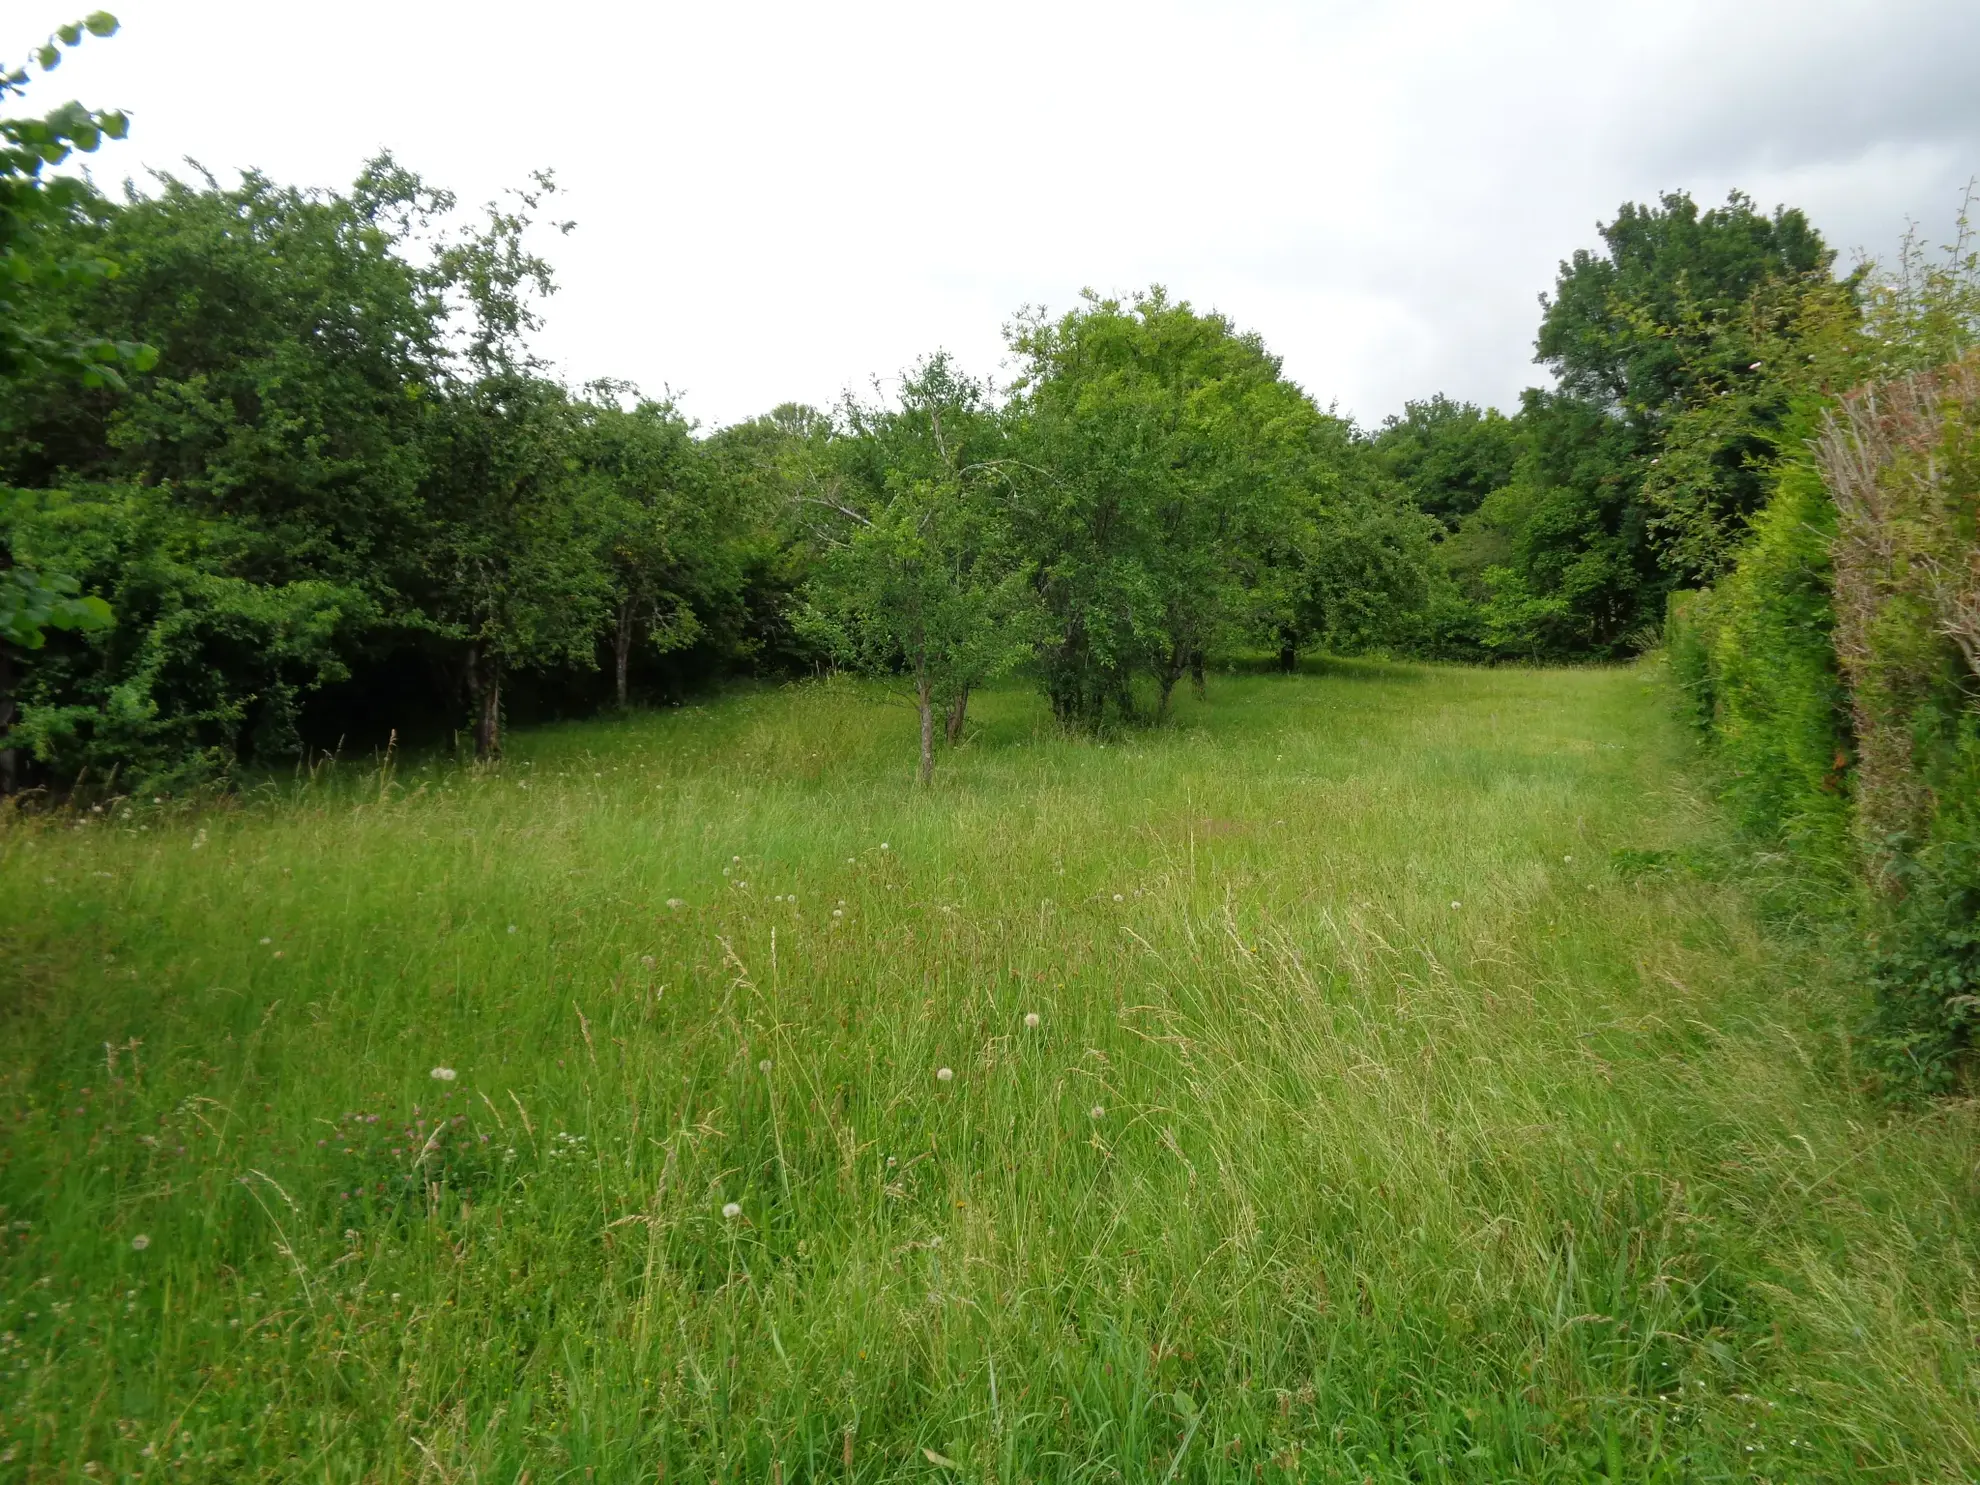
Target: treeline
(282, 474)
(1836, 661)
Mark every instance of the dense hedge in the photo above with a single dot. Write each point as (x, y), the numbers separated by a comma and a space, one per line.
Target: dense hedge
(1838, 669)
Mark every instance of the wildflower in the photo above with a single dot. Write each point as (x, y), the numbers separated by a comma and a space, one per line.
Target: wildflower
(268, 940)
(279, 953)
(512, 928)
(141, 1242)
(763, 1066)
(1031, 1020)
(736, 860)
(883, 845)
(838, 912)
(851, 861)
(731, 1210)
(444, 1074)
(1568, 859)
(675, 902)
(1096, 1112)
(1117, 897)
(646, 961)
(1456, 905)
(944, 1074)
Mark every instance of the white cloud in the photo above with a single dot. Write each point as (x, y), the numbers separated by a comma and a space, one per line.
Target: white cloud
(780, 200)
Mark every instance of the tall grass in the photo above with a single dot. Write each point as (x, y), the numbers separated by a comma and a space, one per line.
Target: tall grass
(1410, 1097)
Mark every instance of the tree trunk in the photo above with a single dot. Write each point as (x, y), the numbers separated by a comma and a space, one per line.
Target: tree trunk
(956, 715)
(622, 648)
(484, 679)
(1288, 656)
(927, 705)
(1196, 674)
(9, 757)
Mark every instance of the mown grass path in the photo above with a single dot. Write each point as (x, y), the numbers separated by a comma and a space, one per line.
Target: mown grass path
(1374, 1124)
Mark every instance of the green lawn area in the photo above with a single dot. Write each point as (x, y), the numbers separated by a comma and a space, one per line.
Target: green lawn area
(1415, 1094)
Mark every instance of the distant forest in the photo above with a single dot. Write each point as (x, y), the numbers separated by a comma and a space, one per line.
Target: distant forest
(282, 475)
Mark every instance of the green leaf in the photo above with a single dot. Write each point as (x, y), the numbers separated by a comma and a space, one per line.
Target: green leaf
(100, 23)
(49, 56)
(941, 1460)
(71, 34)
(1185, 1404)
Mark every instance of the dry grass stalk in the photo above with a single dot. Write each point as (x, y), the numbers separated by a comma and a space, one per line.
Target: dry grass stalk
(1907, 571)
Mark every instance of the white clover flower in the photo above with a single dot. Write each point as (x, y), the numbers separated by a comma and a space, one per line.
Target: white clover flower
(675, 902)
(944, 1074)
(266, 940)
(443, 1074)
(646, 961)
(1568, 859)
(512, 928)
(141, 1242)
(838, 912)
(1117, 897)
(1096, 1112)
(736, 860)
(884, 846)
(1031, 1020)
(764, 1065)
(731, 1210)
(1456, 905)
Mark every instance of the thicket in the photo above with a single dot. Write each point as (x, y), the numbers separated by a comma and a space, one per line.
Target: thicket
(1837, 660)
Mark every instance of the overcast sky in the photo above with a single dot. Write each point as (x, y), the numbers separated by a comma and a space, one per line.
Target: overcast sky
(776, 202)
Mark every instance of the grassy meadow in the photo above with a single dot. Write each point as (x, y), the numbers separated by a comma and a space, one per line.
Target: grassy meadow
(1414, 1094)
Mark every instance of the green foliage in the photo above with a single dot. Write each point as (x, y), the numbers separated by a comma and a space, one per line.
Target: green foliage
(37, 258)
(204, 669)
(915, 573)
(1169, 461)
(33, 602)
(1447, 455)
(1756, 657)
(1837, 663)
(1638, 472)
(664, 523)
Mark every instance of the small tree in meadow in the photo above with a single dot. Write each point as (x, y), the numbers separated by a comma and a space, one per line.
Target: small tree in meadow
(915, 577)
